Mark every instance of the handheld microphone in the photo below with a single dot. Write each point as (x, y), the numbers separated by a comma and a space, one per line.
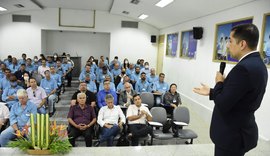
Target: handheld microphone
(222, 67)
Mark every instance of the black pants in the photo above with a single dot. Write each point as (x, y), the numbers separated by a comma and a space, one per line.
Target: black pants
(69, 78)
(74, 133)
(138, 131)
(223, 152)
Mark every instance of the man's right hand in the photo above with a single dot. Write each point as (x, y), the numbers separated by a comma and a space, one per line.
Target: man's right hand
(203, 90)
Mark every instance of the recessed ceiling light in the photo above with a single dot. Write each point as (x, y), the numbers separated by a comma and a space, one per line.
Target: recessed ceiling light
(163, 3)
(143, 16)
(3, 9)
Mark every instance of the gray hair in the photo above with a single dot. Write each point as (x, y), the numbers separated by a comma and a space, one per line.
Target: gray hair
(22, 92)
(109, 97)
(80, 94)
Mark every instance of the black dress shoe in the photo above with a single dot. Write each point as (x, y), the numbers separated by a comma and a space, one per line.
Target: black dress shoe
(96, 143)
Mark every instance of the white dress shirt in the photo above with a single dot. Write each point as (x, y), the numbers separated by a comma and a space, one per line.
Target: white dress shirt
(134, 110)
(110, 116)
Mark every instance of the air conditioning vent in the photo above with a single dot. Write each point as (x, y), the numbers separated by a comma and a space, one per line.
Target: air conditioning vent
(135, 2)
(19, 5)
(129, 24)
(21, 18)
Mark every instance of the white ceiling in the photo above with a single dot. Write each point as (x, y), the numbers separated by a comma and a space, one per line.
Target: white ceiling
(177, 12)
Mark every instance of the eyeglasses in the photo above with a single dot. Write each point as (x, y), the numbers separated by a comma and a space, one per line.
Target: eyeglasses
(34, 93)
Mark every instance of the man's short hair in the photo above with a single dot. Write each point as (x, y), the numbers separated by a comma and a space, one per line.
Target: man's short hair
(106, 81)
(247, 32)
(136, 95)
(161, 74)
(109, 97)
(80, 94)
(21, 92)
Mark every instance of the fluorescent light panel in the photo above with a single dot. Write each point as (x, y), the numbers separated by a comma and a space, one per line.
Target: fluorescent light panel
(143, 16)
(163, 3)
(3, 9)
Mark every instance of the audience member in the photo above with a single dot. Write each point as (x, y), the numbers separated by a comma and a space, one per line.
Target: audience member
(137, 116)
(111, 120)
(50, 86)
(19, 117)
(37, 96)
(102, 93)
(81, 119)
(126, 96)
(90, 97)
(4, 116)
(9, 95)
(142, 85)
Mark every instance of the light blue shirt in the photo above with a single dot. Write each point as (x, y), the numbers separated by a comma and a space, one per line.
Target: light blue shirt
(10, 91)
(135, 77)
(101, 77)
(121, 87)
(116, 72)
(2, 74)
(57, 78)
(48, 85)
(4, 83)
(21, 61)
(161, 87)
(112, 86)
(91, 86)
(92, 76)
(21, 116)
(151, 79)
(36, 65)
(66, 66)
(142, 86)
(30, 68)
(129, 72)
(13, 68)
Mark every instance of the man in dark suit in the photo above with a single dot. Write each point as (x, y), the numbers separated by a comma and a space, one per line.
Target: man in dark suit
(233, 127)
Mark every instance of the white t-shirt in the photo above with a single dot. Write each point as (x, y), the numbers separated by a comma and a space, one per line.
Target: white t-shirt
(134, 110)
(4, 112)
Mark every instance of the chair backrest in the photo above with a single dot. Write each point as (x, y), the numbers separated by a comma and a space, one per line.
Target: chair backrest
(147, 98)
(159, 114)
(181, 114)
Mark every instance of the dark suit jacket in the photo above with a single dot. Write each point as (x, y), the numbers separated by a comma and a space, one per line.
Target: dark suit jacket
(123, 97)
(233, 125)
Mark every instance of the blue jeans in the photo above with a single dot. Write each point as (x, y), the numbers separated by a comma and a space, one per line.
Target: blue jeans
(108, 134)
(6, 136)
(41, 110)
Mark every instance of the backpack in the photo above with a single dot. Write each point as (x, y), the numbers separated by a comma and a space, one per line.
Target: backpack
(123, 141)
(166, 126)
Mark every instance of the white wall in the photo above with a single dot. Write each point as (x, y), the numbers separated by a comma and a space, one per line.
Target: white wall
(83, 44)
(26, 37)
(190, 73)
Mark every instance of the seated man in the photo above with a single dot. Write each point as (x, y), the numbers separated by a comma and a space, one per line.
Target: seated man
(137, 116)
(142, 85)
(126, 96)
(9, 95)
(112, 85)
(4, 116)
(37, 95)
(102, 93)
(19, 117)
(108, 119)
(81, 118)
(91, 85)
(50, 86)
(90, 97)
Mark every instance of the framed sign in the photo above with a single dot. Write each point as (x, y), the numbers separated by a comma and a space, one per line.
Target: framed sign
(265, 40)
(222, 38)
(172, 42)
(188, 46)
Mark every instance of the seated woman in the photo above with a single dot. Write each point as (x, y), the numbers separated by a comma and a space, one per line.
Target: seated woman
(19, 117)
(81, 118)
(171, 99)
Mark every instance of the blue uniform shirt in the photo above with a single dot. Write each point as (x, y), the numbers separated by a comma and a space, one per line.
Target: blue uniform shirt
(142, 87)
(48, 85)
(21, 116)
